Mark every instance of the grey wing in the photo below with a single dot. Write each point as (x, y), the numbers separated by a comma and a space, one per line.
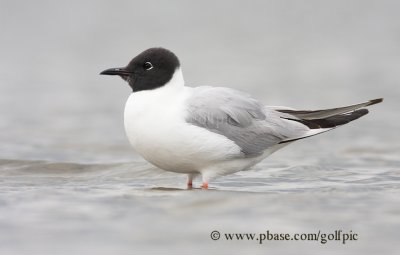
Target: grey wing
(240, 118)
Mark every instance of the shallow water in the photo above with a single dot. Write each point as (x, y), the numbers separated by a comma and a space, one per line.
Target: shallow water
(119, 208)
(71, 184)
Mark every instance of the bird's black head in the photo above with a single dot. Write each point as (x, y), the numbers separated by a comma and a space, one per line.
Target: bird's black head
(150, 69)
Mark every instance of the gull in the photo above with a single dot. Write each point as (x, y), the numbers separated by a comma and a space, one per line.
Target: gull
(210, 131)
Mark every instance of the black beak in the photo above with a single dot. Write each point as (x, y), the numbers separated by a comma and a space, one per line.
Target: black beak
(121, 71)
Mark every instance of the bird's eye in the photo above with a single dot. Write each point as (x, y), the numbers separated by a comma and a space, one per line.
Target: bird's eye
(147, 66)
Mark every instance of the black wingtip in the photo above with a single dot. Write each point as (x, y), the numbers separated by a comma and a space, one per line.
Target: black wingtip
(342, 119)
(333, 121)
(375, 101)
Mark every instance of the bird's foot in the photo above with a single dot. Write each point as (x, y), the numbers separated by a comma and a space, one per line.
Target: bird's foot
(205, 185)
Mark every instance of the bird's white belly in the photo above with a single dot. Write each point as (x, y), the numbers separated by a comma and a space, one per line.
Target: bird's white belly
(158, 132)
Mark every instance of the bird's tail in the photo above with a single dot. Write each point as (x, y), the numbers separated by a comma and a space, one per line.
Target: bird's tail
(320, 121)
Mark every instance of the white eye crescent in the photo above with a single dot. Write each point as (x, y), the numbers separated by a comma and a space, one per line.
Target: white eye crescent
(148, 66)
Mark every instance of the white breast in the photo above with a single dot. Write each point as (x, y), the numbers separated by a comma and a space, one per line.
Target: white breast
(156, 128)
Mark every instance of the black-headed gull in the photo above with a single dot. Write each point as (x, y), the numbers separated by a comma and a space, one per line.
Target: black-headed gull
(211, 131)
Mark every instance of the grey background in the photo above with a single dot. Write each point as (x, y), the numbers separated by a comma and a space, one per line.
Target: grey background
(55, 108)
(304, 54)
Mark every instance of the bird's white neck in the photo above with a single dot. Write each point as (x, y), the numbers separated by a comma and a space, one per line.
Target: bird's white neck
(169, 91)
(176, 80)
(153, 98)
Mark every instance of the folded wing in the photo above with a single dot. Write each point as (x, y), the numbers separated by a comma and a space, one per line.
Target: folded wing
(254, 127)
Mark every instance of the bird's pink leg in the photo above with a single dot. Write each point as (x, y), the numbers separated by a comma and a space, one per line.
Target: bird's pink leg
(205, 185)
(190, 181)
(205, 179)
